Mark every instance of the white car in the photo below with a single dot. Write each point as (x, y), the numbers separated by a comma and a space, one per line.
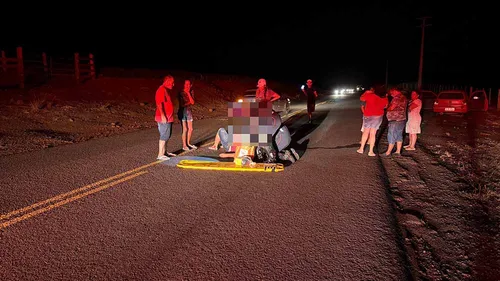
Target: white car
(281, 106)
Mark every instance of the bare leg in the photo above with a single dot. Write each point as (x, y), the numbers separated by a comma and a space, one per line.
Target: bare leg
(189, 132)
(399, 145)
(389, 149)
(184, 135)
(161, 148)
(409, 143)
(413, 140)
(364, 138)
(216, 142)
(373, 133)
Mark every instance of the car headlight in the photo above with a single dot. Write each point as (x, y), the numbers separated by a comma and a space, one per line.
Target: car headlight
(240, 100)
(288, 100)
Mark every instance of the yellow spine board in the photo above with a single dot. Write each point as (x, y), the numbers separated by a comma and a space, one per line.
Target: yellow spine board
(230, 166)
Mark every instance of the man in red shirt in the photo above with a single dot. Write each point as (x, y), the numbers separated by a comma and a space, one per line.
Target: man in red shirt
(372, 118)
(164, 116)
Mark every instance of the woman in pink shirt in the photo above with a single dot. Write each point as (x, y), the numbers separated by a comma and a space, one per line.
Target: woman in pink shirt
(414, 120)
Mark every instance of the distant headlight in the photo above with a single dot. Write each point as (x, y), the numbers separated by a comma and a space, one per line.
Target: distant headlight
(240, 100)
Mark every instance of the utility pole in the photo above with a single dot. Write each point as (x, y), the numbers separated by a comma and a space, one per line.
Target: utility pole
(421, 67)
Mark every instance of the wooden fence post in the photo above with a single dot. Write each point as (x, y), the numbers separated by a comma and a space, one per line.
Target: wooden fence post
(77, 67)
(45, 66)
(92, 66)
(4, 61)
(20, 67)
(498, 100)
(489, 98)
(51, 66)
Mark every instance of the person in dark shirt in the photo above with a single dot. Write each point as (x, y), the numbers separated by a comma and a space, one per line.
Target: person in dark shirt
(186, 100)
(311, 95)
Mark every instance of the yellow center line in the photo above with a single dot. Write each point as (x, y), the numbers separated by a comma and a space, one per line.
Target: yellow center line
(86, 187)
(67, 200)
(61, 196)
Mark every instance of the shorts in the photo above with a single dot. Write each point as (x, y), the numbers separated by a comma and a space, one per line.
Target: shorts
(311, 106)
(224, 138)
(395, 131)
(372, 122)
(185, 114)
(165, 130)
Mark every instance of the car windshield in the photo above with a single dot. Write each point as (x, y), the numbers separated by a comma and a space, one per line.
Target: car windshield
(451, 96)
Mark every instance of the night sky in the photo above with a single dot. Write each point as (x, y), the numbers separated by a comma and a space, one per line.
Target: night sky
(338, 43)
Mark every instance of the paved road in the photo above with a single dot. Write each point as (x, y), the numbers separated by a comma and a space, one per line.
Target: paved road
(326, 217)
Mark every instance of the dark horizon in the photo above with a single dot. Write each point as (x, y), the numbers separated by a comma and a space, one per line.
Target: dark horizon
(346, 45)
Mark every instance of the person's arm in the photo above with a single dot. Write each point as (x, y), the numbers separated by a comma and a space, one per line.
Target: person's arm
(191, 97)
(414, 104)
(227, 155)
(385, 101)
(160, 99)
(275, 96)
(393, 104)
(304, 91)
(315, 93)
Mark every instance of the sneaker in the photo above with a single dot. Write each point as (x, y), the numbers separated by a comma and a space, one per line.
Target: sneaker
(286, 156)
(295, 154)
(192, 146)
(163, 157)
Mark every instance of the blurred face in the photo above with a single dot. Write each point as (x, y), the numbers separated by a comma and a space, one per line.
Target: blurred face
(169, 83)
(394, 92)
(187, 85)
(261, 83)
(414, 95)
(309, 83)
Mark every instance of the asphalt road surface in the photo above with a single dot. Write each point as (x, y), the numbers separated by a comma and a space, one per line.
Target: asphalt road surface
(107, 210)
